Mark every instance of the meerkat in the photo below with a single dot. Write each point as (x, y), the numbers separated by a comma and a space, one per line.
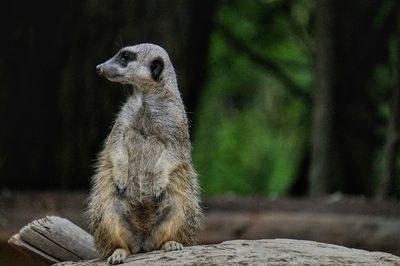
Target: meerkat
(145, 192)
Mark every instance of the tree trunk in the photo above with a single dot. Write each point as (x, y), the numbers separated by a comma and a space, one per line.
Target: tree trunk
(343, 140)
(321, 154)
(390, 181)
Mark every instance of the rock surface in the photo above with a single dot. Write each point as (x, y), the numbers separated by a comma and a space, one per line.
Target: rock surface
(259, 252)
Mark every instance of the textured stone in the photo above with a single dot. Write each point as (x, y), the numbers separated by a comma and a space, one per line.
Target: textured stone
(259, 252)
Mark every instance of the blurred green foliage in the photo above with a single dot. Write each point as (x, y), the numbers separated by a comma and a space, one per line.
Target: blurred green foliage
(253, 129)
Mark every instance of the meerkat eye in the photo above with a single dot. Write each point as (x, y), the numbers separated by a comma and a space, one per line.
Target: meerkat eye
(125, 57)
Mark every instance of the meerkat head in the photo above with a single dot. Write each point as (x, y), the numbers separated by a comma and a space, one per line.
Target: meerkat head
(143, 66)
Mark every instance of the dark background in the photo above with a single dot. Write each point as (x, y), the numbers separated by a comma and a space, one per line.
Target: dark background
(285, 97)
(55, 110)
(294, 104)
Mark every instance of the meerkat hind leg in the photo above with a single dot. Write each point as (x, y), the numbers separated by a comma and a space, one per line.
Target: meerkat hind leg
(172, 245)
(119, 256)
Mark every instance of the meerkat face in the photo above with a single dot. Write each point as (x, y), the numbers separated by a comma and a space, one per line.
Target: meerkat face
(141, 66)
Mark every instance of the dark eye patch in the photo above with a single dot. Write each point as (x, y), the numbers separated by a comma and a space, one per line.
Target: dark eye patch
(124, 57)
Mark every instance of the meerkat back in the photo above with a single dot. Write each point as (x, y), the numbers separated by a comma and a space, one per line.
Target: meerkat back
(145, 193)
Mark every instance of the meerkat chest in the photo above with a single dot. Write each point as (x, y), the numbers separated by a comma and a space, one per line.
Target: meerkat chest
(144, 115)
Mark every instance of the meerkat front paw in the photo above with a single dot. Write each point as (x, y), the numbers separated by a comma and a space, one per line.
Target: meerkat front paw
(119, 256)
(172, 245)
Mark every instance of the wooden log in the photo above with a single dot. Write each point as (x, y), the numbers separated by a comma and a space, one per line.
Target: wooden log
(54, 239)
(36, 254)
(57, 240)
(257, 252)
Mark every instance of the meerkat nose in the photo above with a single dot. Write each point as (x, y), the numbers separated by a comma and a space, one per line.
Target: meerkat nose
(99, 69)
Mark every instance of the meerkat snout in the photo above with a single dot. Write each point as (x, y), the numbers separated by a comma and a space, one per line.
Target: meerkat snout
(110, 72)
(107, 70)
(99, 69)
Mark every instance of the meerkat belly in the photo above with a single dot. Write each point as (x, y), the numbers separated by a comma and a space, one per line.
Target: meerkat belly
(143, 216)
(143, 152)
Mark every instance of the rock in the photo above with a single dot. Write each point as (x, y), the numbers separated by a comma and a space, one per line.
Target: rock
(259, 252)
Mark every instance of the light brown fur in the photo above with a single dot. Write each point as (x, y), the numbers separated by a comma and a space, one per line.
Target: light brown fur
(148, 153)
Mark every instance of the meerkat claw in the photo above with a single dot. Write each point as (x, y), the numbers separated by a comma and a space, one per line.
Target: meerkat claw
(121, 189)
(172, 245)
(159, 197)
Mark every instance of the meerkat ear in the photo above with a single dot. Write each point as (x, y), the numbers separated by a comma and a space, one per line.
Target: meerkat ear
(156, 67)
